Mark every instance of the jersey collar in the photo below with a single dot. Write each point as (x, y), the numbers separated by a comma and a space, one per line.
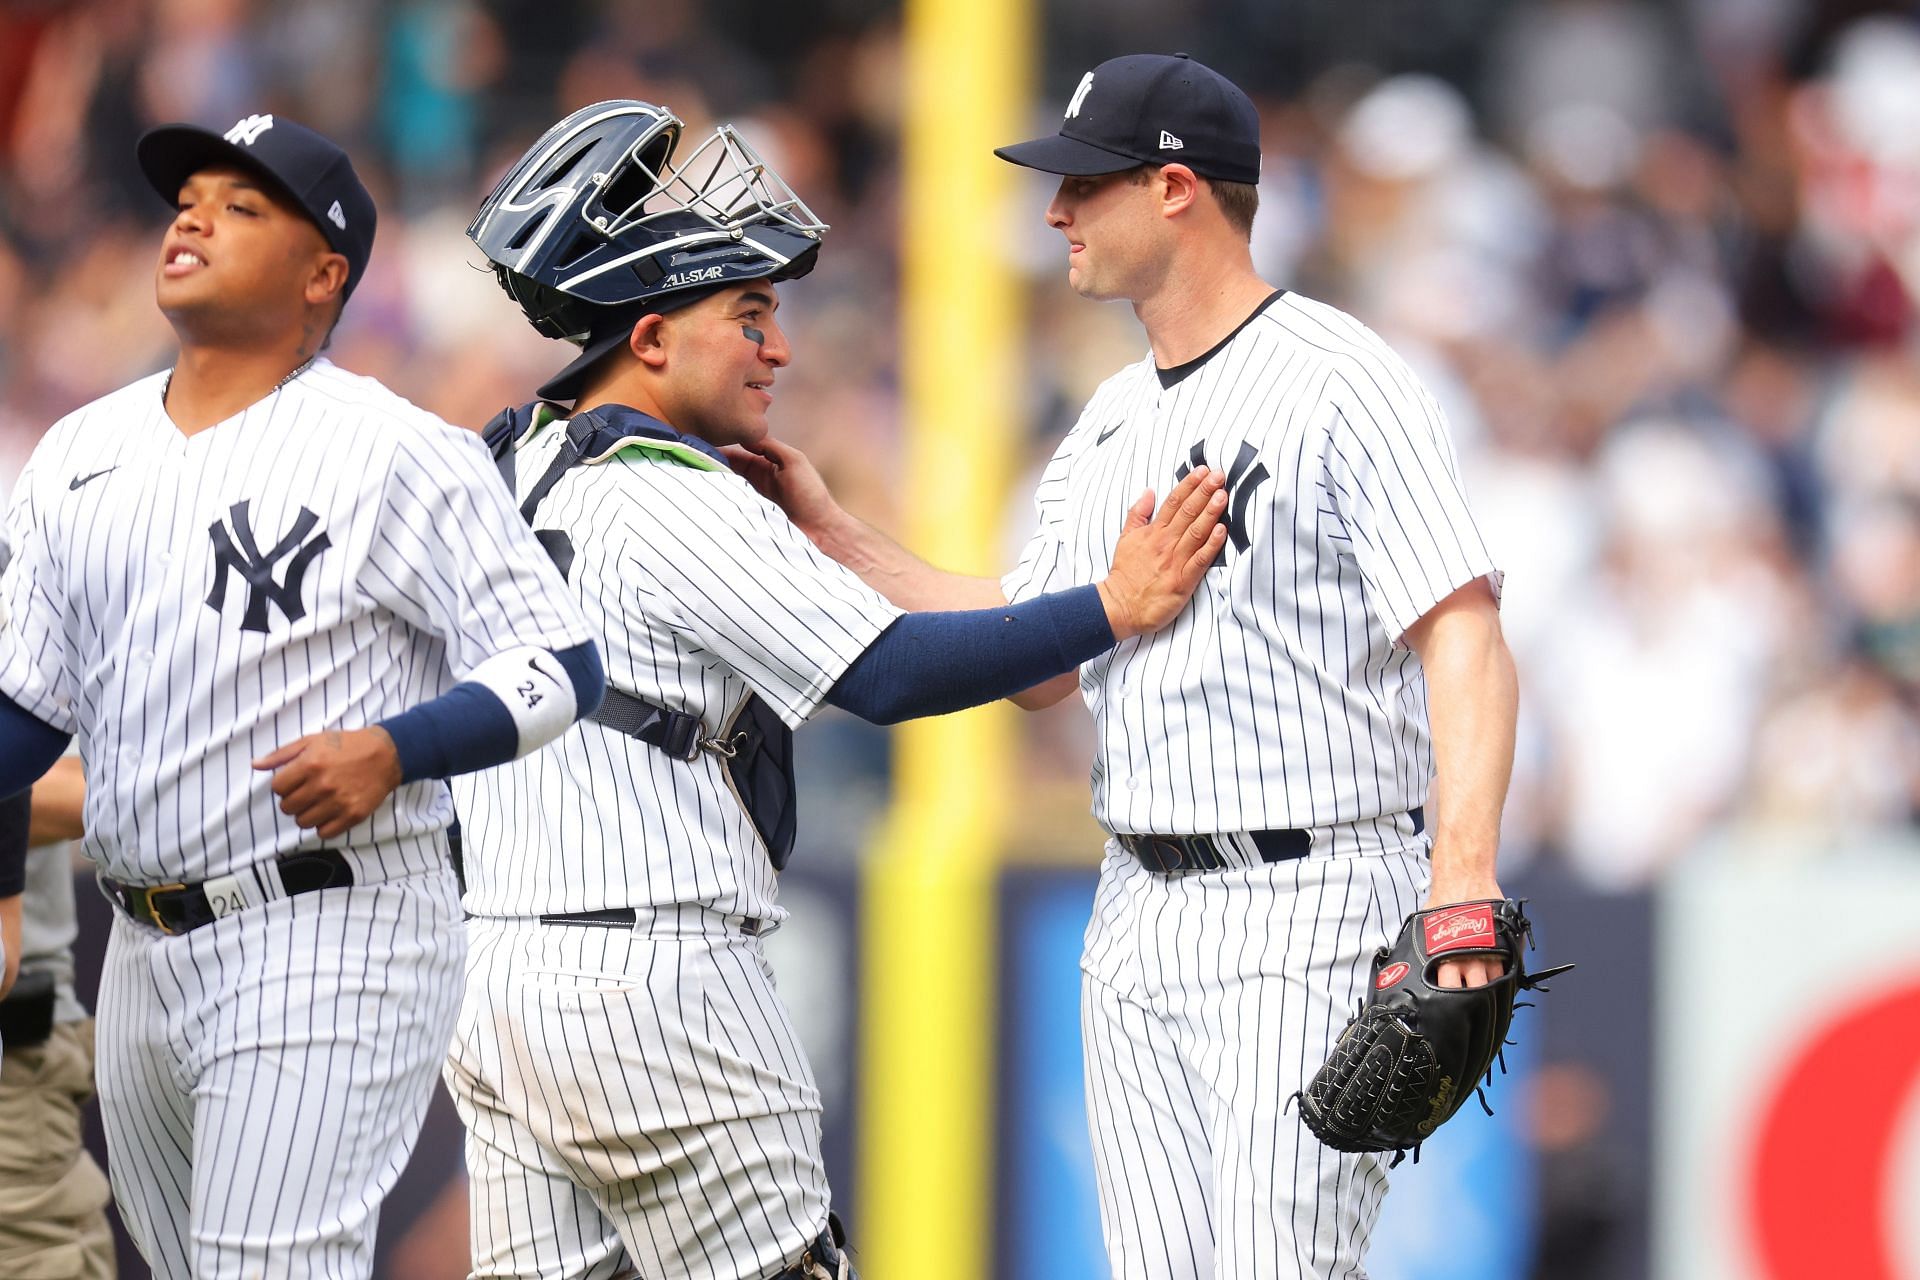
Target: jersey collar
(1170, 378)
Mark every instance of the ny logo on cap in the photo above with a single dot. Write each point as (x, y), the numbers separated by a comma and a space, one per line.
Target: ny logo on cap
(336, 217)
(1080, 95)
(1170, 143)
(248, 131)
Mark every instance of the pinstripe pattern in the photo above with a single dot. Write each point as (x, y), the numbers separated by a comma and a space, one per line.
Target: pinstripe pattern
(639, 1098)
(259, 1096)
(1280, 699)
(1290, 643)
(634, 1100)
(263, 1078)
(700, 592)
(427, 574)
(1206, 1001)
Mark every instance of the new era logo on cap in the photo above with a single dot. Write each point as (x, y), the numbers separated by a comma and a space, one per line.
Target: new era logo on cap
(1170, 143)
(336, 217)
(248, 131)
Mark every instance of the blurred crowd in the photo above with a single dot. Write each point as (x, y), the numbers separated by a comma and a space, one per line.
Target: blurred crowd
(1659, 261)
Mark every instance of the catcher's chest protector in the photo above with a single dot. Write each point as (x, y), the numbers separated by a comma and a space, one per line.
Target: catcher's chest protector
(754, 742)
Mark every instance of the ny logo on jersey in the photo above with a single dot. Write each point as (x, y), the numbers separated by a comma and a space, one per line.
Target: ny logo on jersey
(1246, 467)
(238, 551)
(248, 131)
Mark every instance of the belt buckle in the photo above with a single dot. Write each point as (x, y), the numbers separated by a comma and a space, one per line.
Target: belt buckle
(153, 913)
(1180, 853)
(1173, 852)
(1201, 853)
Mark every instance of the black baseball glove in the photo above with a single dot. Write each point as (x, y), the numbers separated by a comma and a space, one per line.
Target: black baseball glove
(1411, 1055)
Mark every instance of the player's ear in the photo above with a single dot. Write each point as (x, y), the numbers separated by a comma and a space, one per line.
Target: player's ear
(648, 341)
(1179, 188)
(328, 279)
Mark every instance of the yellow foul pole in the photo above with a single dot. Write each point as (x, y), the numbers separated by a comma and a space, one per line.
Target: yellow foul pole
(928, 1051)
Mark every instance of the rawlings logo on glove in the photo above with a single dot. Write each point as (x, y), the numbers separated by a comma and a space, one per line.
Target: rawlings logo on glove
(1395, 1074)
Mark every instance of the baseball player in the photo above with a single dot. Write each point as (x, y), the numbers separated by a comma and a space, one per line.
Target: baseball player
(636, 1098)
(276, 603)
(1265, 763)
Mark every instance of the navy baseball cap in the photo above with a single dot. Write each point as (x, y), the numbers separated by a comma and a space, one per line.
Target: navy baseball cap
(1151, 108)
(304, 165)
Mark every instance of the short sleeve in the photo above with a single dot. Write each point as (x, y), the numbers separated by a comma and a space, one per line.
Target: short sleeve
(452, 556)
(735, 578)
(1044, 564)
(34, 667)
(1394, 481)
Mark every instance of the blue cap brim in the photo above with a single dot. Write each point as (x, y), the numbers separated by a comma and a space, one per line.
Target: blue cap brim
(1068, 157)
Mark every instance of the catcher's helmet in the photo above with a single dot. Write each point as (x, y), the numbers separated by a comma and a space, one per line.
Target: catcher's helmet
(598, 214)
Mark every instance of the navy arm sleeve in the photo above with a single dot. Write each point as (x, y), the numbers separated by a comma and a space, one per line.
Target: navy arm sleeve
(927, 664)
(468, 728)
(28, 747)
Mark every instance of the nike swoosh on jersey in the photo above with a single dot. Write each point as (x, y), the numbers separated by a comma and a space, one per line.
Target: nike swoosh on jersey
(1102, 437)
(77, 481)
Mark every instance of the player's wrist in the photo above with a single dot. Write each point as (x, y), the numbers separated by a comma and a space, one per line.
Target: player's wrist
(1449, 886)
(1119, 615)
(386, 754)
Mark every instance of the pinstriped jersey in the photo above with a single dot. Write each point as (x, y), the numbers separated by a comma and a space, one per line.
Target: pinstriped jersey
(1280, 697)
(327, 558)
(701, 592)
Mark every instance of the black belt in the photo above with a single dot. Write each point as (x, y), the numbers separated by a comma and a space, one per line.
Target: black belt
(612, 918)
(624, 918)
(179, 908)
(1168, 854)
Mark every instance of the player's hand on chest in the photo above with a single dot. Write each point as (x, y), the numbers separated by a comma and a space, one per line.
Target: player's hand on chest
(1157, 453)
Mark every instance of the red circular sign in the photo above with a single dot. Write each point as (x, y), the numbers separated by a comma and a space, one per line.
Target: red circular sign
(1390, 975)
(1817, 1189)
